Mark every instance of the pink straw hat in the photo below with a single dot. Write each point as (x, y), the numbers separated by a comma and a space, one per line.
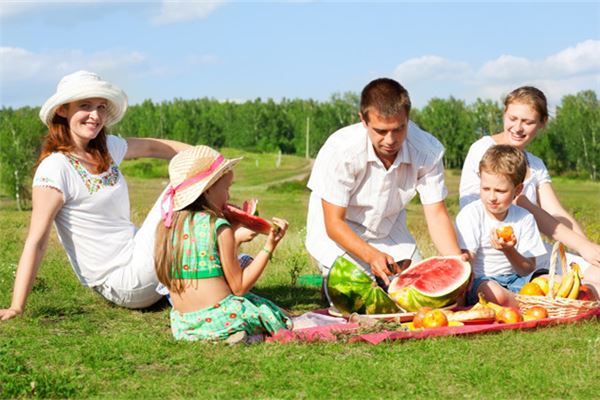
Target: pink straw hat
(191, 173)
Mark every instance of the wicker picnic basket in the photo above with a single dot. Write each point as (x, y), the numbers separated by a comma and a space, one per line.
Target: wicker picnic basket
(557, 307)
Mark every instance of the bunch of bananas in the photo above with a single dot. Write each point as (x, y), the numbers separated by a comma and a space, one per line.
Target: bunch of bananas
(570, 283)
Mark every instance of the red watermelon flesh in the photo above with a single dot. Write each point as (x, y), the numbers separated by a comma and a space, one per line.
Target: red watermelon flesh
(431, 277)
(251, 206)
(434, 282)
(253, 222)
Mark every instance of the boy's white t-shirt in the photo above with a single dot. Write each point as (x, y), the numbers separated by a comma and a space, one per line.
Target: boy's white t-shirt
(474, 227)
(469, 177)
(94, 224)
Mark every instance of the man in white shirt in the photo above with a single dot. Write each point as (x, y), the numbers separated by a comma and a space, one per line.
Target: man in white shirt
(364, 176)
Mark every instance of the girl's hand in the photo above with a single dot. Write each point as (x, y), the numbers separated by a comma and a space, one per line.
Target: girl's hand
(243, 234)
(277, 232)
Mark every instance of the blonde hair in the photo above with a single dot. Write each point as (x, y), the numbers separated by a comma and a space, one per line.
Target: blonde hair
(168, 247)
(505, 160)
(531, 96)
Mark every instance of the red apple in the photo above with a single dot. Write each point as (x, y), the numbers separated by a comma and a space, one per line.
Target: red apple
(509, 315)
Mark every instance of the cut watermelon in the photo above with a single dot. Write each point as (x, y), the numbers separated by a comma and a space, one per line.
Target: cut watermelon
(435, 282)
(253, 222)
(350, 290)
(251, 206)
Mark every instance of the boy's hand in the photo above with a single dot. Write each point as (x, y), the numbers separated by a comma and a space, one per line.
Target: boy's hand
(501, 244)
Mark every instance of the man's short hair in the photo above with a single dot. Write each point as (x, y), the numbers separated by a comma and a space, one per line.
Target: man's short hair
(505, 160)
(386, 97)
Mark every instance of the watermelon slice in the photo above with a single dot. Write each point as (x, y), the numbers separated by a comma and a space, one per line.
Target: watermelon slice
(251, 207)
(253, 222)
(435, 282)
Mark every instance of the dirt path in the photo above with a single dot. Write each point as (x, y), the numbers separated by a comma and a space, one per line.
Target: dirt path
(302, 173)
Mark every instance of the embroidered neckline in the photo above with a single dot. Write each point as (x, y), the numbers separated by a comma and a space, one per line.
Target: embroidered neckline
(92, 182)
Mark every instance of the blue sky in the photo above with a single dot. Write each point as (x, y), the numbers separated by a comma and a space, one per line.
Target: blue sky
(234, 50)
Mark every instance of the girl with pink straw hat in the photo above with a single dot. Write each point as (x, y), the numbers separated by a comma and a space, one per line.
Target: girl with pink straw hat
(79, 188)
(196, 255)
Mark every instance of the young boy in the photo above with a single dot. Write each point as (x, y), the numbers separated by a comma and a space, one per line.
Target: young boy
(502, 263)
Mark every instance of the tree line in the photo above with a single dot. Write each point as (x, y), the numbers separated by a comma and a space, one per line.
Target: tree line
(570, 144)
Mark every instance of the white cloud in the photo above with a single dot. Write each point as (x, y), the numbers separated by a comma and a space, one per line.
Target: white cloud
(431, 68)
(185, 10)
(27, 77)
(9, 9)
(202, 59)
(565, 72)
(506, 68)
(21, 65)
(583, 58)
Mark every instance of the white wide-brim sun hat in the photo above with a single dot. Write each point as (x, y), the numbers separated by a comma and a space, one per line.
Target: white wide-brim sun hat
(82, 85)
(198, 161)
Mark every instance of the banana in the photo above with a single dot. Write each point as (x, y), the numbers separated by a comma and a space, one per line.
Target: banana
(496, 307)
(577, 281)
(566, 284)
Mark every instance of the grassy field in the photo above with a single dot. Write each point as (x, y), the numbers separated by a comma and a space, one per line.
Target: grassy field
(72, 344)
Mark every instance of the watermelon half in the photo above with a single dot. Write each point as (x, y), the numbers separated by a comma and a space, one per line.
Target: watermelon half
(350, 289)
(247, 219)
(435, 282)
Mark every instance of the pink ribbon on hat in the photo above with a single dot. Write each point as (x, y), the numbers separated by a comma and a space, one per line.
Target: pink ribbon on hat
(170, 193)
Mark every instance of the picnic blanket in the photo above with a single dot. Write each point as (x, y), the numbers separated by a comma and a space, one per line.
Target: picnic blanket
(331, 332)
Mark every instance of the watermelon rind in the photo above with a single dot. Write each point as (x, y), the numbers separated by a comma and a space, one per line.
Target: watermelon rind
(351, 290)
(412, 299)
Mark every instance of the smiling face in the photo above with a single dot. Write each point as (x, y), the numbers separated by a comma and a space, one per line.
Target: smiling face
(521, 124)
(387, 134)
(85, 118)
(218, 194)
(497, 193)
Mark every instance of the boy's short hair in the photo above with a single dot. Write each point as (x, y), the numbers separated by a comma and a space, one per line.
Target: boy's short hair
(505, 160)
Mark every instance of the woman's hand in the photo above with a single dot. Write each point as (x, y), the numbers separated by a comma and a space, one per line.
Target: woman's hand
(9, 313)
(590, 251)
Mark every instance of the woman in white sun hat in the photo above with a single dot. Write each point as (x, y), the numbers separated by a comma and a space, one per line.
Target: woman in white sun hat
(78, 186)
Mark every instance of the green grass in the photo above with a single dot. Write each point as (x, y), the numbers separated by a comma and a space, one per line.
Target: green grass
(72, 344)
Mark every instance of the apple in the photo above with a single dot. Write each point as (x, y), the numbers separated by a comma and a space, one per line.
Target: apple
(509, 315)
(434, 319)
(536, 312)
(419, 316)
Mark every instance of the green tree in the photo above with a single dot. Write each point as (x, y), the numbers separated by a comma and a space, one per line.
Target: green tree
(452, 123)
(21, 132)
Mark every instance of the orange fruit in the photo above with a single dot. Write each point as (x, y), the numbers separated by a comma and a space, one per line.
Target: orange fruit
(505, 233)
(536, 312)
(531, 289)
(435, 319)
(542, 282)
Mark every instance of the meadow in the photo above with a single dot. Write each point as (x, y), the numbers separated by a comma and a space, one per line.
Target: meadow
(70, 343)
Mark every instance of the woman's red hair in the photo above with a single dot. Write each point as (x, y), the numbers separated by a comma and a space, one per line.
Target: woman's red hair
(59, 139)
